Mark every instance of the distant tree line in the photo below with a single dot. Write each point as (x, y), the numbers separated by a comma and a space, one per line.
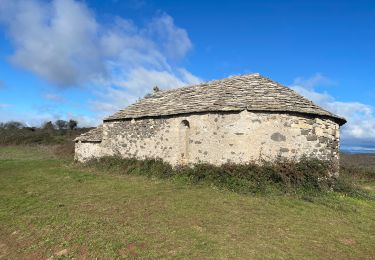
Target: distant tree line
(57, 125)
(60, 131)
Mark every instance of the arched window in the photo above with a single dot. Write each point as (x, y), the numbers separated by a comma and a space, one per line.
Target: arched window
(185, 124)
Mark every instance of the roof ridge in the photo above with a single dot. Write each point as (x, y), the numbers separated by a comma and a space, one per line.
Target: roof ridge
(94, 134)
(207, 82)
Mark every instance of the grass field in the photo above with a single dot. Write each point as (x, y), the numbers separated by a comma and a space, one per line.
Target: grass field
(52, 207)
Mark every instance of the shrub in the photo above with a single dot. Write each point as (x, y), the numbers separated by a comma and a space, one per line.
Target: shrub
(306, 174)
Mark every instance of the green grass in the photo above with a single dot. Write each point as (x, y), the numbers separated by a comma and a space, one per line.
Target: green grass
(47, 205)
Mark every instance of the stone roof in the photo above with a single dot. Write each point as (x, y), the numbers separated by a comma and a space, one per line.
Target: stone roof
(251, 92)
(94, 135)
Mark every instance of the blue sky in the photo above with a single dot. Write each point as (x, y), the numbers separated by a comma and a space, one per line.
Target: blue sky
(86, 59)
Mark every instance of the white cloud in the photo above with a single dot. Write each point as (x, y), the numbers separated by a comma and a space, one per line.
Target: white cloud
(38, 116)
(140, 77)
(61, 41)
(312, 82)
(54, 40)
(175, 41)
(138, 83)
(360, 128)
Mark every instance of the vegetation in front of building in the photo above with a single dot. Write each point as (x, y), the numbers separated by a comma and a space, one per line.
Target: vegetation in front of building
(305, 177)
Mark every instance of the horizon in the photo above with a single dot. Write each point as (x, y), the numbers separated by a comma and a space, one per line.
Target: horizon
(84, 60)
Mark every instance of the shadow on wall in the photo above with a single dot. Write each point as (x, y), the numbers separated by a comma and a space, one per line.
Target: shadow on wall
(184, 132)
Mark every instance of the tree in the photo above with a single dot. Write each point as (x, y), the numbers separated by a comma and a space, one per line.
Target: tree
(13, 125)
(61, 124)
(72, 124)
(48, 126)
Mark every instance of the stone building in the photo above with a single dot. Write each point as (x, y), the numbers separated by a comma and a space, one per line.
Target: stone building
(239, 119)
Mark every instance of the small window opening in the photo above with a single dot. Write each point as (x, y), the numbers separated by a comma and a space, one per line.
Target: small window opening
(185, 123)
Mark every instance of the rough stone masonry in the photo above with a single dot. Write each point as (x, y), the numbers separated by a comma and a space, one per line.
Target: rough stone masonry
(241, 119)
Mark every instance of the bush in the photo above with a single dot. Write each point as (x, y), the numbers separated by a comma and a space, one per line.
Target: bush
(306, 175)
(64, 151)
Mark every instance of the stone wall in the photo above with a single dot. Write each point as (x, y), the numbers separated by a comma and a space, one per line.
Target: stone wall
(85, 151)
(219, 138)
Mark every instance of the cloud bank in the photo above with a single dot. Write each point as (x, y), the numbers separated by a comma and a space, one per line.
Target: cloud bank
(359, 131)
(63, 42)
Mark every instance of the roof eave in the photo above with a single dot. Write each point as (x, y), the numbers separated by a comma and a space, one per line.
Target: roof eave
(340, 120)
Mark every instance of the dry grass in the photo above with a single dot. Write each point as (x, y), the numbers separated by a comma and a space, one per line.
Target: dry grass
(358, 160)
